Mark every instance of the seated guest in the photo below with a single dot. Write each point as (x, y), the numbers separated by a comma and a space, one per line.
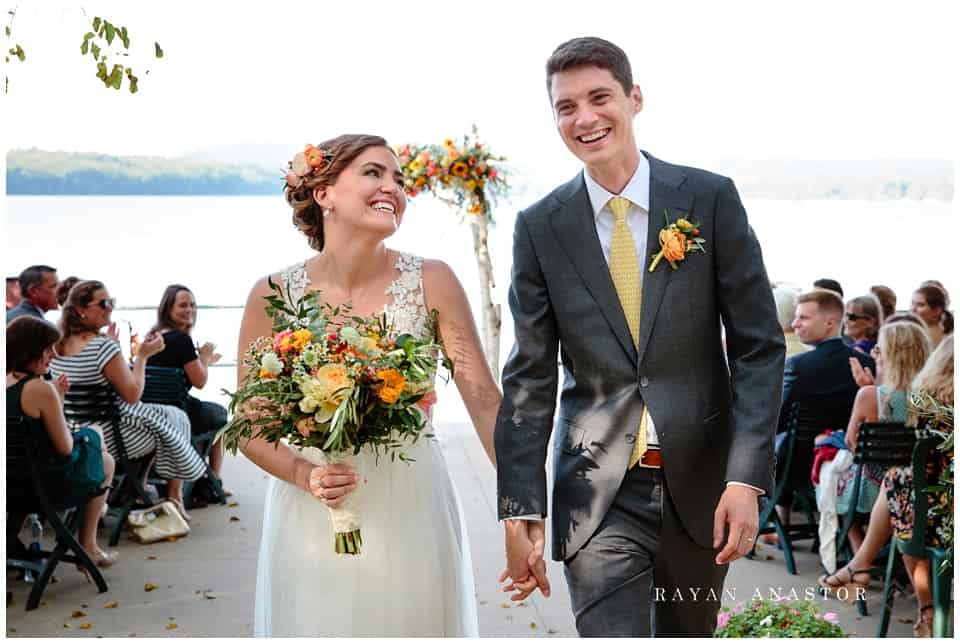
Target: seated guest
(829, 284)
(892, 513)
(929, 304)
(176, 317)
(863, 322)
(13, 292)
(822, 372)
(38, 289)
(63, 457)
(887, 298)
(903, 350)
(63, 288)
(785, 298)
(89, 357)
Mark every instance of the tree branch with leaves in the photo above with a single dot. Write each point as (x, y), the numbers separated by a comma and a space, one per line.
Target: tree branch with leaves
(106, 43)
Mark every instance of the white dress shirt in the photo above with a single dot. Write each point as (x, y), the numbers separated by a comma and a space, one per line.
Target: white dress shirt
(637, 191)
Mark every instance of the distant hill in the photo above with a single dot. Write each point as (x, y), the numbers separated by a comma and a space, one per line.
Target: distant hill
(39, 172)
(255, 169)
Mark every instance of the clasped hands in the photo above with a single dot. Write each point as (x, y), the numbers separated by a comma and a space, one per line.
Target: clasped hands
(526, 568)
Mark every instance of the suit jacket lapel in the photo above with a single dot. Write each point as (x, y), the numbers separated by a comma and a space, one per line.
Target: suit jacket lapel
(665, 195)
(576, 232)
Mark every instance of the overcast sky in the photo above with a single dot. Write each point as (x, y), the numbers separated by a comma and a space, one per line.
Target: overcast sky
(814, 80)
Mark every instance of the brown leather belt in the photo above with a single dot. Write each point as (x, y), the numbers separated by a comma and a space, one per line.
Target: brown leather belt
(650, 458)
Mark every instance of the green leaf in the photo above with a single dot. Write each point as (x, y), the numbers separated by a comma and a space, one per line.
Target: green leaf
(85, 47)
(21, 54)
(124, 38)
(96, 50)
(159, 51)
(111, 32)
(96, 24)
(7, 30)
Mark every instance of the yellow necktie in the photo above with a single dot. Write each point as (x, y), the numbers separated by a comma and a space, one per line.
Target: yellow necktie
(625, 272)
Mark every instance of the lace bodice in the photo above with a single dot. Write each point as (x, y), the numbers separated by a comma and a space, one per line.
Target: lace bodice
(406, 309)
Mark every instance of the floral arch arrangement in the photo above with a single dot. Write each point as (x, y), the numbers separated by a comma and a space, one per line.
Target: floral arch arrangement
(469, 178)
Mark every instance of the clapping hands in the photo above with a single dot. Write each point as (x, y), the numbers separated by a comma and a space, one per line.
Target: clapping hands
(62, 384)
(861, 375)
(151, 345)
(526, 568)
(208, 353)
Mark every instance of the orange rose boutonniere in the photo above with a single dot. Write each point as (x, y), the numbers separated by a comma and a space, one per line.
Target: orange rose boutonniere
(676, 240)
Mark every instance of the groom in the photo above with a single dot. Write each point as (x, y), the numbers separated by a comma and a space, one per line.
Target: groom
(672, 376)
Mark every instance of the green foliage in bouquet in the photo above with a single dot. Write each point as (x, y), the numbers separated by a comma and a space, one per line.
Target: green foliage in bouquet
(765, 618)
(332, 381)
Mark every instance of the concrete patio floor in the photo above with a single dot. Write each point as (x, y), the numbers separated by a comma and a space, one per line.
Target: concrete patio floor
(205, 582)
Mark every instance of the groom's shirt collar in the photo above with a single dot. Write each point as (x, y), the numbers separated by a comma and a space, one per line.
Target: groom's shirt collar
(637, 189)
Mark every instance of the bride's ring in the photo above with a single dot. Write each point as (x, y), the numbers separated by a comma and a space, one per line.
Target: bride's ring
(749, 539)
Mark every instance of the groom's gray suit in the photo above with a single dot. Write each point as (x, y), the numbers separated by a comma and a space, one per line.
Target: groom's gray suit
(715, 410)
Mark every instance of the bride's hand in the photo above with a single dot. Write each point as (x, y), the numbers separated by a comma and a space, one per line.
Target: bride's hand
(332, 483)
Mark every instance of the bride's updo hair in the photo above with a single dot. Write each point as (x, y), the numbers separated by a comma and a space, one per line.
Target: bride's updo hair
(317, 167)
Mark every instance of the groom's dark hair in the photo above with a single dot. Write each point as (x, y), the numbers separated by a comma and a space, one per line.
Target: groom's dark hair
(591, 51)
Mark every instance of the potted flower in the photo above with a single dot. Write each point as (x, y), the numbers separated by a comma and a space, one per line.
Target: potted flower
(777, 619)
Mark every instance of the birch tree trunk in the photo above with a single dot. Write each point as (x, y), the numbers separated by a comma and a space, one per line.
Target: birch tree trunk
(490, 312)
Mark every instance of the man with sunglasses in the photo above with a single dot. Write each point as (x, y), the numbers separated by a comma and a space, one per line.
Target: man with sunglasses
(38, 288)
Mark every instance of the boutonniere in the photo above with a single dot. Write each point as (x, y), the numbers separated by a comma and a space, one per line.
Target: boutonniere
(676, 240)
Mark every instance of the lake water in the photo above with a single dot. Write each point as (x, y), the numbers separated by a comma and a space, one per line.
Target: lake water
(219, 246)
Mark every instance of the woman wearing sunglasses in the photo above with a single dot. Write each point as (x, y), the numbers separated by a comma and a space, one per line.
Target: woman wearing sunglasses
(863, 322)
(89, 357)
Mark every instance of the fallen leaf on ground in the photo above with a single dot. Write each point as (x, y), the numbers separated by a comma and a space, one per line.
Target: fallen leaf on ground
(86, 626)
(533, 625)
(170, 627)
(232, 504)
(551, 631)
(43, 602)
(66, 625)
(151, 557)
(148, 587)
(84, 606)
(769, 558)
(111, 605)
(234, 518)
(504, 605)
(209, 595)
(78, 613)
(172, 538)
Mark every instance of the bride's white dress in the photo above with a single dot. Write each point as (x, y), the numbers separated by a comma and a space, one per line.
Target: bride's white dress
(414, 576)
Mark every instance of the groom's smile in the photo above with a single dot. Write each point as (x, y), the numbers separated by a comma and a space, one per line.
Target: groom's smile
(594, 114)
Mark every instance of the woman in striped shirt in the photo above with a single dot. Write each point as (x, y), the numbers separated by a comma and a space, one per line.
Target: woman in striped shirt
(88, 357)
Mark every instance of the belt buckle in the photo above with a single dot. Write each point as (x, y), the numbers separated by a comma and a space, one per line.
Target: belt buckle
(651, 459)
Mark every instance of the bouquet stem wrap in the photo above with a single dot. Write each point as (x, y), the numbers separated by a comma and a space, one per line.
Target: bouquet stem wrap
(346, 517)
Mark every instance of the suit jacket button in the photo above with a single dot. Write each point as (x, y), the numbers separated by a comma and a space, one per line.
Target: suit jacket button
(631, 438)
(643, 381)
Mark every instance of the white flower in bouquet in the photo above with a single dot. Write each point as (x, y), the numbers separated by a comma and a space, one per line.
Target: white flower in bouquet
(323, 392)
(270, 364)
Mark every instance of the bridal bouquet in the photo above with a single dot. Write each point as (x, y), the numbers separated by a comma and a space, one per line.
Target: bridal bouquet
(334, 382)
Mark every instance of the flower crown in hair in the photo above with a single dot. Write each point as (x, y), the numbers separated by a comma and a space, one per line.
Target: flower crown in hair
(306, 163)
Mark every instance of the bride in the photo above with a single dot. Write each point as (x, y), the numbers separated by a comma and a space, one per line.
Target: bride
(414, 577)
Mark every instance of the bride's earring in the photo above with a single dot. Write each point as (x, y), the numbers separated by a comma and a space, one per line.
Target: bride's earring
(326, 212)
